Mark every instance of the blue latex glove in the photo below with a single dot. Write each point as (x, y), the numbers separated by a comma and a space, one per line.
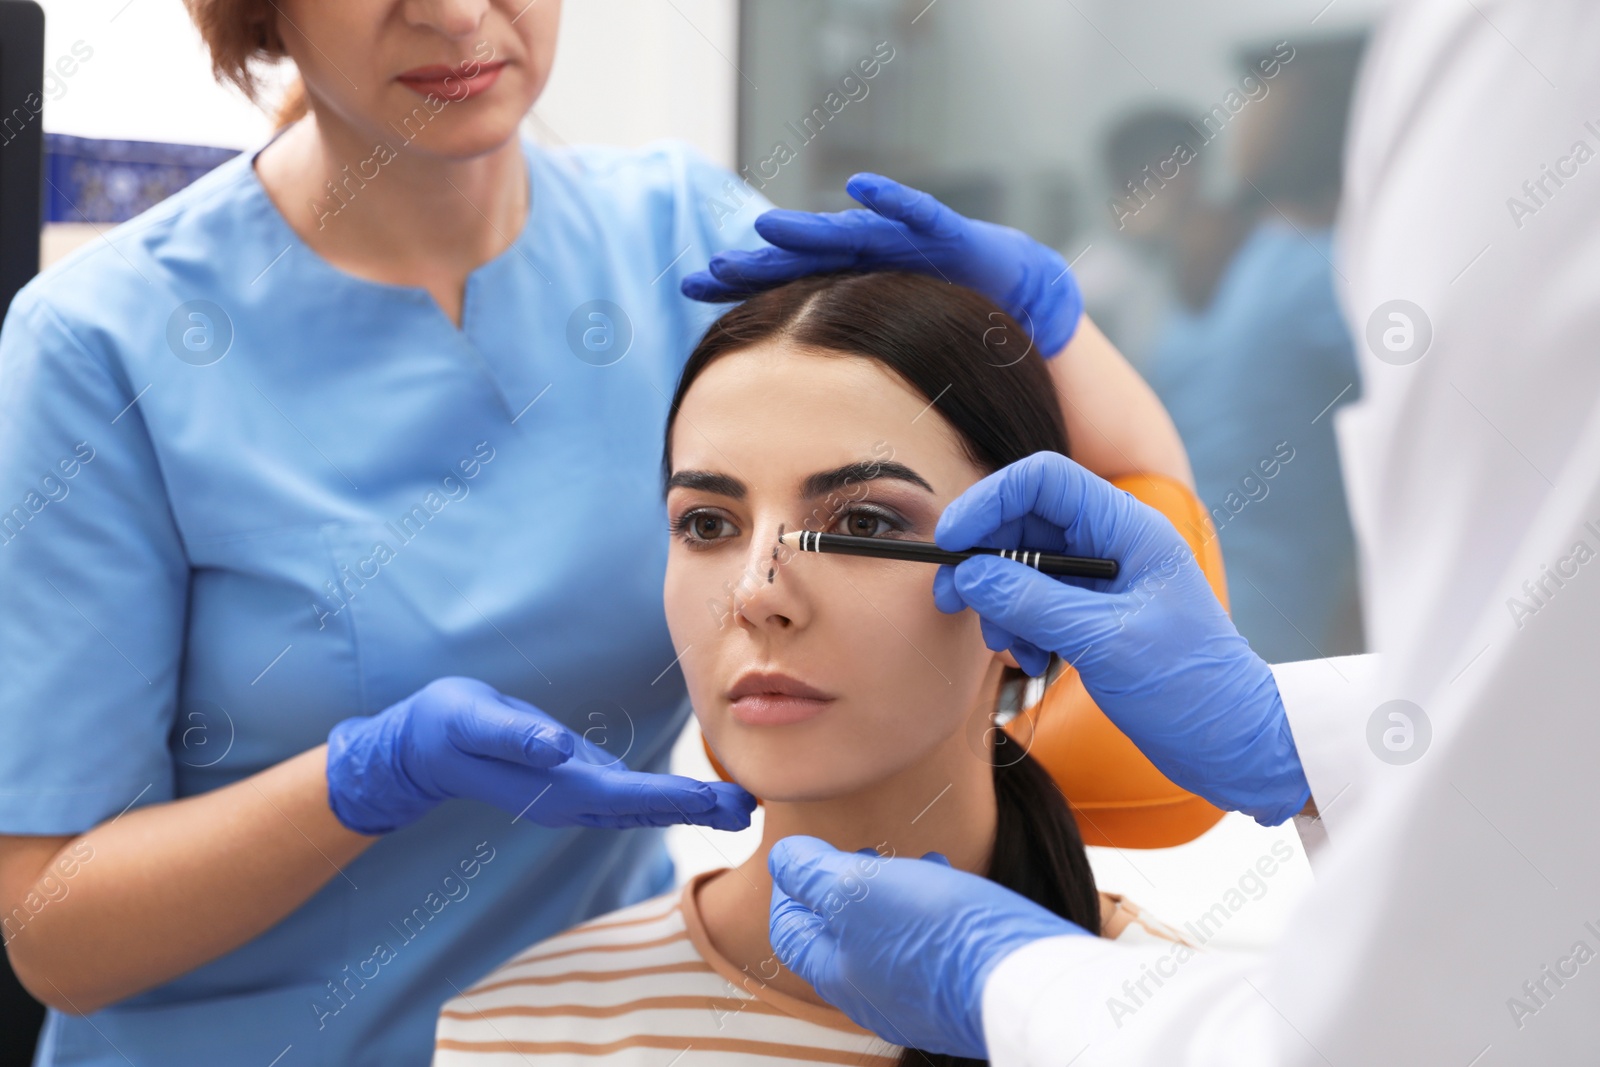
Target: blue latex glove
(457, 737)
(903, 229)
(902, 946)
(1154, 647)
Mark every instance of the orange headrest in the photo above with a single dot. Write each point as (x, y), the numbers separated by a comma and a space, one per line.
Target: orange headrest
(1118, 796)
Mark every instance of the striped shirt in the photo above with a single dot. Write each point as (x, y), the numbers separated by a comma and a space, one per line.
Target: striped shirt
(643, 987)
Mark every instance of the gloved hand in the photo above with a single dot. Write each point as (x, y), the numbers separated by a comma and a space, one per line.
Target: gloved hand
(901, 946)
(457, 737)
(903, 229)
(1154, 647)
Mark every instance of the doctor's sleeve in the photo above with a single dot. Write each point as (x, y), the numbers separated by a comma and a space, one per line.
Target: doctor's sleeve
(1088, 1001)
(1092, 1002)
(94, 582)
(1328, 702)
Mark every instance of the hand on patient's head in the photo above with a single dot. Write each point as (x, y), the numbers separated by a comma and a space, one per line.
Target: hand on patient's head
(904, 229)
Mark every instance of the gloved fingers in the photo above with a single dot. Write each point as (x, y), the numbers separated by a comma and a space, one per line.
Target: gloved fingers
(1029, 531)
(920, 212)
(763, 268)
(622, 822)
(587, 752)
(735, 275)
(936, 857)
(827, 232)
(1045, 484)
(493, 728)
(519, 791)
(582, 747)
(618, 791)
(734, 807)
(996, 638)
(1044, 613)
(738, 273)
(702, 285)
(1032, 659)
(812, 871)
(801, 939)
(716, 819)
(946, 597)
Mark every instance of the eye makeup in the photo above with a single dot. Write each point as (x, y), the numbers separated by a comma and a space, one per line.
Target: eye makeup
(849, 516)
(685, 527)
(887, 523)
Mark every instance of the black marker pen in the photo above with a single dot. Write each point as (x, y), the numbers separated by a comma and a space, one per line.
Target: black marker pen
(928, 552)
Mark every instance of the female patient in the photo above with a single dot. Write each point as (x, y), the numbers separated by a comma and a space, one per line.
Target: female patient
(829, 686)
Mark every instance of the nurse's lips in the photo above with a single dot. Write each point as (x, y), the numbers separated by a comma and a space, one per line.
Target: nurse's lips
(767, 698)
(452, 83)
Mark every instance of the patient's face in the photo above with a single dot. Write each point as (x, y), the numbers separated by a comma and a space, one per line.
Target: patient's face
(765, 439)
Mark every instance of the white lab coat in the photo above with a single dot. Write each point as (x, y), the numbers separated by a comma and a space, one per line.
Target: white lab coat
(1456, 914)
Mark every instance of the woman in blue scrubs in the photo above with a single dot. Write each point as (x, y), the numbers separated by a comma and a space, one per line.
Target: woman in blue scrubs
(375, 406)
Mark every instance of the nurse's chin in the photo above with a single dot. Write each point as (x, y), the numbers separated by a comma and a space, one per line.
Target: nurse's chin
(458, 131)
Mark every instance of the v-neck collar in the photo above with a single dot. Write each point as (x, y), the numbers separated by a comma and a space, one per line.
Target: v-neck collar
(285, 237)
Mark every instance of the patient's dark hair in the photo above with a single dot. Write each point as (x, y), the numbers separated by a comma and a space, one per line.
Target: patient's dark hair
(979, 369)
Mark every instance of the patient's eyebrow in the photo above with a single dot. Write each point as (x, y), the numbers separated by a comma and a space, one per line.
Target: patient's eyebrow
(707, 482)
(820, 484)
(824, 482)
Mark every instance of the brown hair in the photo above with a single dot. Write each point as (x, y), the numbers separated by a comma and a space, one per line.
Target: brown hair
(240, 34)
(960, 351)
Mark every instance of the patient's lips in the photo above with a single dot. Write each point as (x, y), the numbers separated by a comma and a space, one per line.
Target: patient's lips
(769, 698)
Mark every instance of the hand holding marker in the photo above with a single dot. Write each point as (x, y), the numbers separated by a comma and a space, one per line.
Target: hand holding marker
(1169, 671)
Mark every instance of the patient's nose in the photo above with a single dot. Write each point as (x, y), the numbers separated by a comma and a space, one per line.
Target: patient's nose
(776, 597)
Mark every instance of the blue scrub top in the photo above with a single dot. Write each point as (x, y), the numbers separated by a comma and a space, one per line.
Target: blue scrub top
(1254, 377)
(246, 495)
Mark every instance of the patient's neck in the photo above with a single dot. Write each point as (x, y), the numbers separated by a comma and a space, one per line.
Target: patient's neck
(943, 804)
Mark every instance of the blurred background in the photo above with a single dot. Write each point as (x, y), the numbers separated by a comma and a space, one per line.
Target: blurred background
(1183, 156)
(1185, 159)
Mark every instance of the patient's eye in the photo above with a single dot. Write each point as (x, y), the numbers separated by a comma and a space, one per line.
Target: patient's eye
(698, 527)
(864, 520)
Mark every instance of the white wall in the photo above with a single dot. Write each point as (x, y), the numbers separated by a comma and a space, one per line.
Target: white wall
(626, 72)
(630, 71)
(148, 79)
